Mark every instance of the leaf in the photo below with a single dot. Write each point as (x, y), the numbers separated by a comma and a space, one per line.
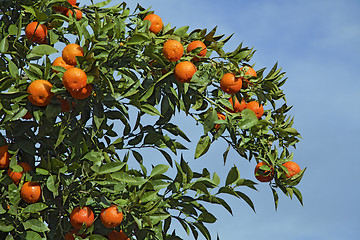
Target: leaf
(149, 109)
(202, 146)
(276, 198)
(248, 120)
(30, 235)
(4, 45)
(4, 227)
(232, 176)
(111, 167)
(207, 217)
(137, 39)
(35, 225)
(43, 49)
(159, 169)
(35, 208)
(181, 31)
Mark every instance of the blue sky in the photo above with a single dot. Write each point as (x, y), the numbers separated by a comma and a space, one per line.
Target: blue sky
(317, 44)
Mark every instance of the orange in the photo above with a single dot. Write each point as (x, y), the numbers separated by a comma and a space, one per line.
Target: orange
(70, 52)
(79, 216)
(65, 105)
(60, 9)
(249, 71)
(4, 157)
(230, 84)
(110, 217)
(72, 2)
(293, 168)
(16, 176)
(74, 79)
(222, 117)
(237, 106)
(114, 235)
(256, 107)
(40, 92)
(27, 116)
(83, 93)
(197, 44)
(30, 192)
(78, 13)
(70, 235)
(173, 50)
(59, 61)
(156, 23)
(263, 176)
(36, 32)
(184, 71)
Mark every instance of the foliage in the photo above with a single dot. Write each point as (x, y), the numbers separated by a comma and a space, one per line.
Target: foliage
(81, 157)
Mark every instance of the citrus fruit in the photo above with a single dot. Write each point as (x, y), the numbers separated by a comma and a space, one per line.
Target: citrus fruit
(230, 84)
(60, 9)
(237, 106)
(114, 235)
(36, 32)
(110, 217)
(16, 176)
(74, 79)
(263, 176)
(79, 216)
(249, 71)
(70, 52)
(184, 71)
(72, 2)
(70, 235)
(59, 61)
(64, 105)
(40, 92)
(256, 107)
(292, 167)
(77, 15)
(30, 192)
(4, 157)
(82, 93)
(197, 44)
(173, 50)
(156, 23)
(222, 117)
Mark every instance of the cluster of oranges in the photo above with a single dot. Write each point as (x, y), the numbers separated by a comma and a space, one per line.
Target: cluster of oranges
(74, 80)
(230, 83)
(110, 217)
(37, 32)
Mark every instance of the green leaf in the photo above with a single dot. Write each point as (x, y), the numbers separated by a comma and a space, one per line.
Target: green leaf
(35, 225)
(203, 146)
(13, 69)
(35, 208)
(248, 120)
(232, 176)
(207, 217)
(30, 235)
(138, 39)
(111, 167)
(149, 109)
(159, 169)
(181, 31)
(4, 45)
(43, 49)
(5, 227)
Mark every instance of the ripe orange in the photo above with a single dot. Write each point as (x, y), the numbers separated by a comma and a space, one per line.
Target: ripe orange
(27, 116)
(78, 13)
(74, 79)
(173, 50)
(110, 217)
(230, 84)
(60, 9)
(70, 235)
(263, 176)
(30, 192)
(83, 93)
(184, 71)
(196, 44)
(36, 32)
(40, 92)
(156, 23)
(4, 157)
(70, 52)
(79, 216)
(72, 2)
(293, 168)
(222, 117)
(237, 106)
(59, 61)
(256, 107)
(114, 235)
(16, 176)
(249, 71)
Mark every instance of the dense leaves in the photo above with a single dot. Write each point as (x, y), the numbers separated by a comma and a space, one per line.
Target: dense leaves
(83, 157)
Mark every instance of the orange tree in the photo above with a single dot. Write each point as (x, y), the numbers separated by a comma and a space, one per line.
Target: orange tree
(82, 142)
